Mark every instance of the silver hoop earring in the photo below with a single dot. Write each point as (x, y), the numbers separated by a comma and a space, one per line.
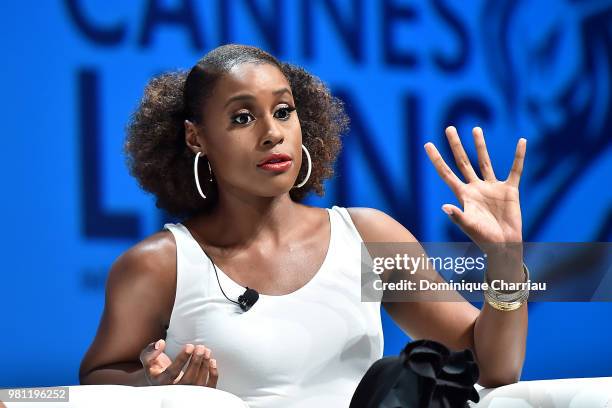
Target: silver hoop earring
(195, 172)
(309, 168)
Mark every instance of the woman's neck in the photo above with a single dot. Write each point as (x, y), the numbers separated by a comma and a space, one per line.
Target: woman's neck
(239, 222)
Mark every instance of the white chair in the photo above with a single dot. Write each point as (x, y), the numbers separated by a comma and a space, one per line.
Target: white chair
(119, 396)
(566, 393)
(569, 392)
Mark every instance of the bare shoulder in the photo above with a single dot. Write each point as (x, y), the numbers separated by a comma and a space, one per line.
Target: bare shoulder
(377, 226)
(151, 261)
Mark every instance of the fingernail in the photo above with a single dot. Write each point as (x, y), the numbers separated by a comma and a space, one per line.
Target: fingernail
(157, 344)
(189, 348)
(447, 210)
(207, 353)
(213, 363)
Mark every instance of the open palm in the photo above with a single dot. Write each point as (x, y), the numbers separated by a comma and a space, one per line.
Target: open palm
(491, 208)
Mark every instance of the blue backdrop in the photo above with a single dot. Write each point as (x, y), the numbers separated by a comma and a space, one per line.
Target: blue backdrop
(74, 70)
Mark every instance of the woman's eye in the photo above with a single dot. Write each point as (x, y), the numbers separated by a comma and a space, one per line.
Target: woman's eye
(284, 113)
(242, 118)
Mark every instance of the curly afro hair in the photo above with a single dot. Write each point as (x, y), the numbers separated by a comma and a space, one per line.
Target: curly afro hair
(159, 158)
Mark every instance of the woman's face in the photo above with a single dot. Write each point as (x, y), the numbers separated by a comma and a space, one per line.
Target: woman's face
(249, 116)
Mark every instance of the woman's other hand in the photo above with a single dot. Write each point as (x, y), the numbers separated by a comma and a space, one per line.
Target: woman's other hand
(161, 370)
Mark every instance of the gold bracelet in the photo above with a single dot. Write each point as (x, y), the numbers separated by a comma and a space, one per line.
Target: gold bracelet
(505, 306)
(507, 301)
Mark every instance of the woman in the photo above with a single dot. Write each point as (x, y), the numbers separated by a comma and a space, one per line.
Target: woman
(231, 148)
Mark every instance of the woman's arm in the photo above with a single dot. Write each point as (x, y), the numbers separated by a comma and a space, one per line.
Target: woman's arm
(496, 338)
(139, 299)
(491, 217)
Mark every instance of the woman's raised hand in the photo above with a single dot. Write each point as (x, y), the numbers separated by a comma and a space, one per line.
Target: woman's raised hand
(160, 370)
(491, 209)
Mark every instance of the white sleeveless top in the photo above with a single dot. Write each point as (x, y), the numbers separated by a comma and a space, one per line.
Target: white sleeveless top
(309, 348)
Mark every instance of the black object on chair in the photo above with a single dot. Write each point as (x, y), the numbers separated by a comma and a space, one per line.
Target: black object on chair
(425, 374)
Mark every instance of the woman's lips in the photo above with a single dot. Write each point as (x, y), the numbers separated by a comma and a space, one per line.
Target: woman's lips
(276, 167)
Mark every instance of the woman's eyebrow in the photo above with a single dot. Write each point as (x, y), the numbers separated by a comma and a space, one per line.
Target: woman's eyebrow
(282, 91)
(240, 97)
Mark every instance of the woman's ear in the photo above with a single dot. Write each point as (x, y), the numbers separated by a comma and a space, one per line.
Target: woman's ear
(191, 138)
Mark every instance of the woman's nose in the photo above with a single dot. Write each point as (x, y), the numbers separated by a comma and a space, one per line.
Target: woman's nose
(272, 133)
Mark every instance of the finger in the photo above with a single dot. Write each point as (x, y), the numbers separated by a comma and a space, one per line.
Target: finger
(213, 374)
(486, 168)
(517, 165)
(178, 378)
(151, 352)
(461, 158)
(202, 377)
(456, 215)
(442, 168)
(194, 366)
(174, 369)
